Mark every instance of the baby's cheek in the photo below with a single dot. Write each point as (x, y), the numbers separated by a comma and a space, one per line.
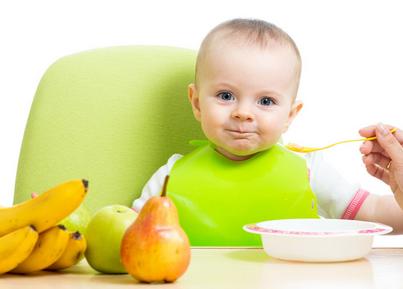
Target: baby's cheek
(271, 135)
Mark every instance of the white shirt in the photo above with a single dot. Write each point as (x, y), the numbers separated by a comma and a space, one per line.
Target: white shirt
(333, 191)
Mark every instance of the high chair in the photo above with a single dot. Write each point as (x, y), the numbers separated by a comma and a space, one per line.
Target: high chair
(110, 115)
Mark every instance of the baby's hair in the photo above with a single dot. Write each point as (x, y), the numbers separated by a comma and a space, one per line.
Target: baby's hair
(250, 31)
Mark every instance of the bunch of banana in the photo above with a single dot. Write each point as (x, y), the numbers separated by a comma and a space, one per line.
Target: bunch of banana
(31, 241)
(54, 249)
(46, 210)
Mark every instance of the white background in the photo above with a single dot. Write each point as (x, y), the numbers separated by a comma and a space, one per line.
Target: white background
(352, 60)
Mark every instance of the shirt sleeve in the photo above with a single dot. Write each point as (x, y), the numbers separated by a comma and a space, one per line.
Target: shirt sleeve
(154, 185)
(337, 197)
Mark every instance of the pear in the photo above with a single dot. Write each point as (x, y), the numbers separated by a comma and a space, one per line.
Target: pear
(155, 248)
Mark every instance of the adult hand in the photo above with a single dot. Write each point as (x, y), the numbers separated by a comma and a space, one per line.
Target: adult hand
(383, 157)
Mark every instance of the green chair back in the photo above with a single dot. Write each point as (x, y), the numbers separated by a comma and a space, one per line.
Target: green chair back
(112, 116)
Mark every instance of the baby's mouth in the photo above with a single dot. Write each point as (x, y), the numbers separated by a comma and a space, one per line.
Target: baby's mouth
(240, 133)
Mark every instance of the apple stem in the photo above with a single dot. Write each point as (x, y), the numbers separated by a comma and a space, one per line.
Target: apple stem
(164, 187)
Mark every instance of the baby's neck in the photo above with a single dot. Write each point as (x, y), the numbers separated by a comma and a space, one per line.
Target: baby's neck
(231, 156)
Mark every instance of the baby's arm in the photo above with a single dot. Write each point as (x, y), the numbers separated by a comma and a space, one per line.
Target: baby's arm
(382, 209)
(337, 197)
(154, 185)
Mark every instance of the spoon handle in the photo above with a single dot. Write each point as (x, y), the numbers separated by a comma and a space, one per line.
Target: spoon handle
(302, 149)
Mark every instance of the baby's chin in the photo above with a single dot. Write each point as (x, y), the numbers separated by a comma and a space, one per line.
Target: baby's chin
(238, 154)
(246, 149)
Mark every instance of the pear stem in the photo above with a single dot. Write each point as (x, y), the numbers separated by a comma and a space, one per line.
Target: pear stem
(164, 187)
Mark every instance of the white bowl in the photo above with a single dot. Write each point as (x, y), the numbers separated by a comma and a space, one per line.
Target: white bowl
(317, 240)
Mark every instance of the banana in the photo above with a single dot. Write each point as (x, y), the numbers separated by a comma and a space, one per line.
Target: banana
(15, 247)
(50, 246)
(73, 253)
(46, 210)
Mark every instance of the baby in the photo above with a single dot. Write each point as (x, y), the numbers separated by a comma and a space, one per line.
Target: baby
(244, 96)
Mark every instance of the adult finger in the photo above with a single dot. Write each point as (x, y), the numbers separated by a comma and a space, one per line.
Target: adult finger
(378, 173)
(376, 158)
(366, 147)
(373, 146)
(389, 143)
(369, 131)
(369, 147)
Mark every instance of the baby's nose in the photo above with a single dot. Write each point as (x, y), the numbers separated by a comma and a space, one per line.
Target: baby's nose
(242, 113)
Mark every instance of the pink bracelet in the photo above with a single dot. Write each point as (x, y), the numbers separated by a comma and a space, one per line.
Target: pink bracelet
(355, 204)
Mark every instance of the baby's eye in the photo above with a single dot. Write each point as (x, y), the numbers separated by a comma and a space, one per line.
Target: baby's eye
(226, 95)
(266, 101)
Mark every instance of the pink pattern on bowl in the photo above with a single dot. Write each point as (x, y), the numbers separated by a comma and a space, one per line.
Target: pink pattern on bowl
(256, 228)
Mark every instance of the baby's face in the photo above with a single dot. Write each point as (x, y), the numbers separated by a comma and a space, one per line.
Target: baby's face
(244, 97)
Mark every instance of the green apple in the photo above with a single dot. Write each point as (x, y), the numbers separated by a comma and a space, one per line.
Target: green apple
(104, 234)
(78, 220)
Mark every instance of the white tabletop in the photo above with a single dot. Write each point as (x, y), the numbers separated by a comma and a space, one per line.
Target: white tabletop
(238, 268)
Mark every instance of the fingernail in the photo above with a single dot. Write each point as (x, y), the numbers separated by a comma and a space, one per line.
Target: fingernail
(381, 128)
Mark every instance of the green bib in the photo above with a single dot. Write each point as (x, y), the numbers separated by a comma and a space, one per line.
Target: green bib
(216, 196)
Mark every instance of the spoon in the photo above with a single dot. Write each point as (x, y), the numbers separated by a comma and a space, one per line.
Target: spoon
(301, 149)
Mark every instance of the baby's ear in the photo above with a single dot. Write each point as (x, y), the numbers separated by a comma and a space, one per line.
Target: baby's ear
(194, 100)
(295, 109)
